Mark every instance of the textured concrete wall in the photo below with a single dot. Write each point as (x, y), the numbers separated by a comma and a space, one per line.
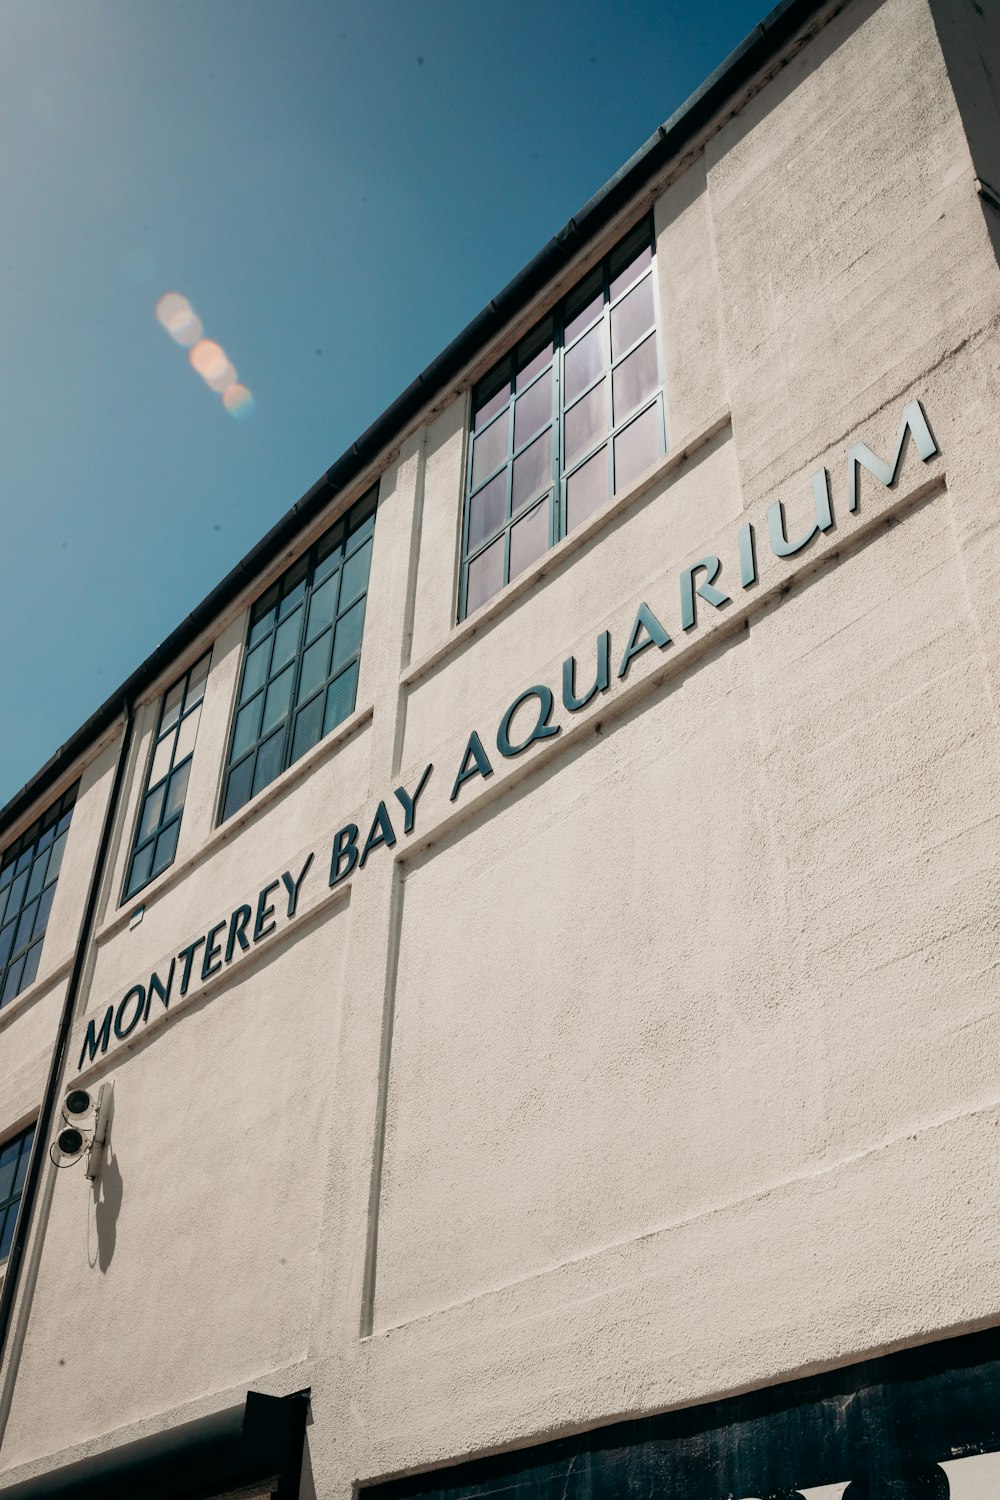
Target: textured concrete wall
(657, 1065)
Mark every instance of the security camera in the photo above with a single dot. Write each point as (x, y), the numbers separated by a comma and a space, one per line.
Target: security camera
(70, 1141)
(75, 1138)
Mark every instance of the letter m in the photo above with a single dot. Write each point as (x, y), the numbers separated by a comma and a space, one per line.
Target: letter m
(93, 1037)
(915, 423)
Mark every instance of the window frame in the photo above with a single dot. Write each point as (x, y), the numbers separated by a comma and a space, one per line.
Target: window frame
(139, 842)
(56, 820)
(25, 1140)
(601, 276)
(356, 528)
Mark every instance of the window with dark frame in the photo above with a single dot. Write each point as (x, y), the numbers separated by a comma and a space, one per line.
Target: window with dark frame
(303, 653)
(29, 871)
(573, 415)
(162, 808)
(14, 1155)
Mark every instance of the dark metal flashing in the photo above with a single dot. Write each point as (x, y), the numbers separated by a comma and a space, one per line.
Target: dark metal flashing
(253, 1443)
(752, 55)
(885, 1424)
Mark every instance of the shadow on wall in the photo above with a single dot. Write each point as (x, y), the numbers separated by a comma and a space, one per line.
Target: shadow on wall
(108, 1189)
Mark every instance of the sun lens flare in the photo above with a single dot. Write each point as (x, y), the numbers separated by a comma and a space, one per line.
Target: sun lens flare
(213, 365)
(179, 318)
(238, 401)
(207, 358)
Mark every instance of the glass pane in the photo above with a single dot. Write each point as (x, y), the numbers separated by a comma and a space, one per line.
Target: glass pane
(262, 615)
(322, 607)
(166, 845)
(632, 317)
(632, 262)
(43, 843)
(7, 1231)
(37, 876)
(12, 984)
(635, 379)
(533, 355)
(197, 680)
(533, 409)
(356, 571)
(586, 423)
(64, 821)
(340, 696)
(308, 726)
(487, 510)
(247, 726)
(529, 538)
(3, 905)
(315, 666)
(584, 362)
(587, 489)
(22, 1165)
(268, 762)
(9, 1154)
(161, 757)
(151, 810)
(187, 734)
(489, 449)
(532, 472)
(30, 969)
(329, 552)
(27, 921)
(255, 670)
(485, 576)
(286, 641)
(238, 787)
(140, 869)
(42, 915)
(172, 705)
(636, 448)
(56, 857)
(178, 790)
(293, 588)
(6, 875)
(490, 395)
(24, 859)
(6, 942)
(362, 520)
(16, 896)
(278, 700)
(583, 306)
(348, 638)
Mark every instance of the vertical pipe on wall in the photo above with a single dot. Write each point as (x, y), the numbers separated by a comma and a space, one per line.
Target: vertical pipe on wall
(43, 1127)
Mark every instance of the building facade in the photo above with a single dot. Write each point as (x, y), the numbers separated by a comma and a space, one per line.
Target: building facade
(535, 924)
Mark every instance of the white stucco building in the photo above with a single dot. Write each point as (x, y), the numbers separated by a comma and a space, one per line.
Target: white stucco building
(535, 923)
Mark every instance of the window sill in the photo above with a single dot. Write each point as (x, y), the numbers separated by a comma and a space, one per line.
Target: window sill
(246, 814)
(501, 602)
(36, 988)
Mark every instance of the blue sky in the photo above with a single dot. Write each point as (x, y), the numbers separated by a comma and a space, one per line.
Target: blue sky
(337, 188)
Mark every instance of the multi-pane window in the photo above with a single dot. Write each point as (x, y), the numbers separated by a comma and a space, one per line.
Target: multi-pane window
(573, 415)
(166, 785)
(28, 874)
(300, 671)
(14, 1156)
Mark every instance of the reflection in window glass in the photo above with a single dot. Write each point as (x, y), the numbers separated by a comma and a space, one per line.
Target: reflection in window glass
(542, 418)
(29, 870)
(300, 672)
(162, 804)
(14, 1156)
